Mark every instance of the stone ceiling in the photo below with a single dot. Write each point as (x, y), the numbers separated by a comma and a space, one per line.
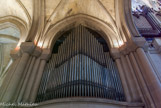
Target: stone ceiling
(59, 9)
(56, 10)
(39, 15)
(22, 9)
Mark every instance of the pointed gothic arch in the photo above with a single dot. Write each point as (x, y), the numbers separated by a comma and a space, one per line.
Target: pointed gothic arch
(112, 38)
(80, 66)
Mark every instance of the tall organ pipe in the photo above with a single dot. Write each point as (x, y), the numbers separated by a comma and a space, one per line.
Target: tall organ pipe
(80, 67)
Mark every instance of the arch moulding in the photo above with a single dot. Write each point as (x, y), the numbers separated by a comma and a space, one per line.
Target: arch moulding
(111, 37)
(20, 24)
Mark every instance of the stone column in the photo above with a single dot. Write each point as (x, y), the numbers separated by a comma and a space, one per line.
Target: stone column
(44, 57)
(1, 58)
(31, 80)
(22, 79)
(36, 53)
(151, 79)
(10, 73)
(135, 83)
(141, 82)
(130, 79)
(27, 48)
(123, 80)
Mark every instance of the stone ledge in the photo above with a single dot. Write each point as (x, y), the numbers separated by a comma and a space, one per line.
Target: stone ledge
(90, 100)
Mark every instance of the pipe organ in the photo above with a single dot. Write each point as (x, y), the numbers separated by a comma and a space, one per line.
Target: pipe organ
(80, 67)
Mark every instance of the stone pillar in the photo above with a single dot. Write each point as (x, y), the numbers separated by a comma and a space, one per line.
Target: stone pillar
(141, 82)
(134, 81)
(8, 77)
(27, 48)
(44, 57)
(150, 77)
(22, 80)
(26, 80)
(31, 80)
(130, 80)
(36, 53)
(123, 80)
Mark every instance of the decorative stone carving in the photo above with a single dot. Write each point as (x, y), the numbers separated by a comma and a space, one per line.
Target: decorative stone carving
(45, 54)
(27, 47)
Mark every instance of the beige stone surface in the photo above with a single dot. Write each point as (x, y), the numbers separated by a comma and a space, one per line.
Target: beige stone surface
(5, 55)
(28, 5)
(50, 7)
(87, 103)
(110, 6)
(7, 49)
(72, 7)
(81, 105)
(46, 18)
(12, 8)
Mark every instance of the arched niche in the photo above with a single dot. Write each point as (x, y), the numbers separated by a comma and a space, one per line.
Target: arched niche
(80, 62)
(20, 24)
(13, 31)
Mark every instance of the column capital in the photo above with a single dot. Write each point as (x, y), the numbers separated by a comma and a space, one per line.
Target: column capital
(140, 42)
(37, 52)
(115, 53)
(127, 48)
(46, 53)
(27, 47)
(157, 44)
(15, 54)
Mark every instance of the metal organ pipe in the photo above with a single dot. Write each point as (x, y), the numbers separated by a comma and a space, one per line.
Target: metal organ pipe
(80, 67)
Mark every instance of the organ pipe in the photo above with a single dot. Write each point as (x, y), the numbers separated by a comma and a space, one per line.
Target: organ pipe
(80, 67)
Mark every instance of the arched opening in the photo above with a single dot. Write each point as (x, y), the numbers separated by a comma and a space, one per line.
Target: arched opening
(112, 38)
(9, 38)
(80, 66)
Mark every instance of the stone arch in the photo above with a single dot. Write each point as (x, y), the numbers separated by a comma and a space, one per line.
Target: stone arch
(124, 7)
(20, 24)
(111, 37)
(11, 40)
(80, 47)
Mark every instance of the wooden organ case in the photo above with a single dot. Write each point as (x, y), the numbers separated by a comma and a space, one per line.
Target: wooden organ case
(80, 66)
